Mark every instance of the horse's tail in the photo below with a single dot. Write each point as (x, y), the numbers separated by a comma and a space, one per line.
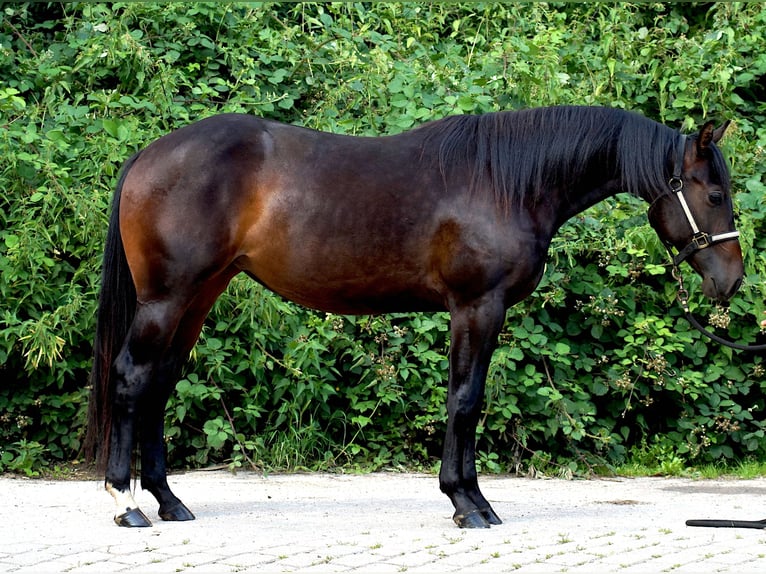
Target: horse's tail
(116, 308)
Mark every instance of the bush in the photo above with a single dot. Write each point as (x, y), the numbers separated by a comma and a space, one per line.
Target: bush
(597, 362)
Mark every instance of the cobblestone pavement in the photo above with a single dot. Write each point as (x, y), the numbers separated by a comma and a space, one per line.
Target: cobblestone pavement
(385, 523)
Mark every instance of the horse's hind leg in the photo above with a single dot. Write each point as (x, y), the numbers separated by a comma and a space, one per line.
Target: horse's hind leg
(152, 440)
(150, 334)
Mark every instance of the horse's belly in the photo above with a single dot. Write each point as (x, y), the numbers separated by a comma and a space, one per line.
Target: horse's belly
(346, 287)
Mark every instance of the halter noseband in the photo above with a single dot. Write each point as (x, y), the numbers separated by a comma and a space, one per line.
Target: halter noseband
(700, 239)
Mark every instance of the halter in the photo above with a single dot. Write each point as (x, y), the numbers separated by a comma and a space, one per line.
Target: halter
(700, 239)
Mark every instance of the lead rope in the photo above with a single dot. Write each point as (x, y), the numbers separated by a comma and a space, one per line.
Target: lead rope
(712, 523)
(683, 299)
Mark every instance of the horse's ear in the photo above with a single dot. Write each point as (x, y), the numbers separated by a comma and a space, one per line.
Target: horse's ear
(708, 134)
(718, 132)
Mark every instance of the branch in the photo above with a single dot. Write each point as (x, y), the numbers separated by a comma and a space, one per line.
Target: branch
(23, 39)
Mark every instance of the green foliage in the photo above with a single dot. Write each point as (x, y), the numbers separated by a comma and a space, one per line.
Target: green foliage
(593, 367)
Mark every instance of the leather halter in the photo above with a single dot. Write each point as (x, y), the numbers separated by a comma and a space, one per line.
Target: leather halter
(700, 239)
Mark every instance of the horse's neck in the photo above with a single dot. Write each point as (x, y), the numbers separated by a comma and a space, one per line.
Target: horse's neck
(570, 203)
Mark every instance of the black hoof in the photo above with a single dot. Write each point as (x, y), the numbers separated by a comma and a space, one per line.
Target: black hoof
(490, 516)
(133, 518)
(176, 513)
(473, 519)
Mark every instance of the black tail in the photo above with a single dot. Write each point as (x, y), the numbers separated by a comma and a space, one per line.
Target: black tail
(116, 308)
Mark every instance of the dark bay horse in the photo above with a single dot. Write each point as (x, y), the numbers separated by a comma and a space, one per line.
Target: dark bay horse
(455, 215)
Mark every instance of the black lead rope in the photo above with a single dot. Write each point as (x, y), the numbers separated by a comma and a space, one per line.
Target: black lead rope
(709, 523)
(683, 298)
(721, 340)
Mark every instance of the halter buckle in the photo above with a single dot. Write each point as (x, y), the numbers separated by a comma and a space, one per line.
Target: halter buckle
(701, 240)
(676, 184)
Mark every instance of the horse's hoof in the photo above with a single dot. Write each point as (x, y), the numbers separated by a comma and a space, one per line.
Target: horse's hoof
(133, 518)
(473, 519)
(490, 516)
(176, 513)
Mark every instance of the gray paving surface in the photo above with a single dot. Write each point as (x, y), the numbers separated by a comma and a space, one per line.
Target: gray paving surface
(385, 523)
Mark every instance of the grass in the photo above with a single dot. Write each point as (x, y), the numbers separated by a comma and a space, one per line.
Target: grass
(644, 461)
(743, 470)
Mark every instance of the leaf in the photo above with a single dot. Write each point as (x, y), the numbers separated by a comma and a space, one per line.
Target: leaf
(111, 127)
(562, 349)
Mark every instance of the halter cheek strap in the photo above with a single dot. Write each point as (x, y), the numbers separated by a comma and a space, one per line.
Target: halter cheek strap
(700, 239)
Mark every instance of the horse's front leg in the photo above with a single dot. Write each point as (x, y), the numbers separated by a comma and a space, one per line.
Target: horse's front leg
(474, 337)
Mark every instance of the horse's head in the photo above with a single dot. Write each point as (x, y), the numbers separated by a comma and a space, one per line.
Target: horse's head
(695, 214)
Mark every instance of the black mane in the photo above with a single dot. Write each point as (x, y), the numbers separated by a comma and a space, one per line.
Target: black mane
(521, 155)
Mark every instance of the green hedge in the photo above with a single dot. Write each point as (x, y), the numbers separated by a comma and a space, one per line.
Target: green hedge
(597, 364)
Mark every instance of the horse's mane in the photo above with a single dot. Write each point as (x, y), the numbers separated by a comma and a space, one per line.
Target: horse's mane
(519, 156)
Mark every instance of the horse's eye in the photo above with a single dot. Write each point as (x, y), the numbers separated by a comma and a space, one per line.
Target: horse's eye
(716, 198)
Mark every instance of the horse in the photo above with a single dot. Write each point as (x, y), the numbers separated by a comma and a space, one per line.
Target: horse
(454, 215)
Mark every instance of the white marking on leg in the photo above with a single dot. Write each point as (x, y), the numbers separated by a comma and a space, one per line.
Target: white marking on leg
(125, 501)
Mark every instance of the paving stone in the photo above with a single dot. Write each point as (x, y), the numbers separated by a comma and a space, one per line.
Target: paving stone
(386, 522)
